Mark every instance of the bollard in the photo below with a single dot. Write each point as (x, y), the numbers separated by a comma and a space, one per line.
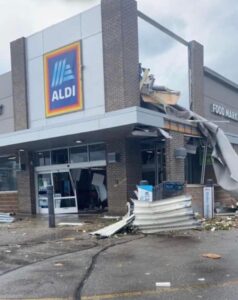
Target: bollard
(208, 199)
(51, 206)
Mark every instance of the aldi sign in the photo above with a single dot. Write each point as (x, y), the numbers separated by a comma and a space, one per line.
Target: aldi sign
(63, 84)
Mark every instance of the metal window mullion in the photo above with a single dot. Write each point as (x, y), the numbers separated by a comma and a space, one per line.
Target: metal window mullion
(204, 160)
(88, 152)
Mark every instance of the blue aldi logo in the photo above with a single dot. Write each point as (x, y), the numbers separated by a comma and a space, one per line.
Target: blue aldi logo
(63, 85)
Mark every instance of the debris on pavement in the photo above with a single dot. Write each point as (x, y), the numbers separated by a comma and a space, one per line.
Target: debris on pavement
(111, 217)
(163, 284)
(58, 264)
(69, 239)
(201, 279)
(220, 223)
(212, 255)
(114, 228)
(157, 216)
(70, 224)
(6, 218)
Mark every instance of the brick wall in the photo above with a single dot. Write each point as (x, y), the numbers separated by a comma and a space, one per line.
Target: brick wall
(120, 54)
(122, 176)
(174, 167)
(8, 202)
(26, 186)
(196, 191)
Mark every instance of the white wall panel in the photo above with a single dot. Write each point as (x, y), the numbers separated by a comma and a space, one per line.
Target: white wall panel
(62, 34)
(96, 111)
(6, 125)
(58, 36)
(93, 71)
(91, 21)
(7, 118)
(36, 104)
(5, 85)
(34, 45)
(7, 108)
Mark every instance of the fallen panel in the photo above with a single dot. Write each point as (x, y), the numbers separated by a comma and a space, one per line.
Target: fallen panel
(188, 222)
(114, 228)
(164, 221)
(6, 218)
(165, 209)
(165, 215)
(158, 203)
(70, 224)
(158, 230)
(171, 214)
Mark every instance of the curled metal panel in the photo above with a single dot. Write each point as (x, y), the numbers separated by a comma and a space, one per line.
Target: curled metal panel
(165, 215)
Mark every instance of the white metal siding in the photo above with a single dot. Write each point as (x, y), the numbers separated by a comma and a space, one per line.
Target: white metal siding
(87, 28)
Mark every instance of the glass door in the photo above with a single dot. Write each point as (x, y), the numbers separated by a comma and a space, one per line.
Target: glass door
(43, 180)
(64, 192)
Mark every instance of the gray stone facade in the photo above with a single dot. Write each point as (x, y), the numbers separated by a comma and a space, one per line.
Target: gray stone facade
(19, 83)
(120, 54)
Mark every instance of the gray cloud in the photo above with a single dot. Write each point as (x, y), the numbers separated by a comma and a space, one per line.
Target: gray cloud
(213, 23)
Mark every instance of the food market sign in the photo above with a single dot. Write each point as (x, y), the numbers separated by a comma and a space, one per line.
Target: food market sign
(223, 111)
(63, 84)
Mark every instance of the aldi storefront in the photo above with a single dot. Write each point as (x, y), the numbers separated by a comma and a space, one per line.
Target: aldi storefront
(72, 116)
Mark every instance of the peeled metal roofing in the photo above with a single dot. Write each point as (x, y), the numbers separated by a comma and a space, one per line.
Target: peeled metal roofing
(165, 215)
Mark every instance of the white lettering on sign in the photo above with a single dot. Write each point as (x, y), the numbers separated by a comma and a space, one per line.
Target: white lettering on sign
(220, 110)
(62, 94)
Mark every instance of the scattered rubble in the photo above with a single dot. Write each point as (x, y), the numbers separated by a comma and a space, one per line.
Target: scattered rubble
(58, 264)
(163, 284)
(69, 239)
(70, 224)
(220, 223)
(212, 255)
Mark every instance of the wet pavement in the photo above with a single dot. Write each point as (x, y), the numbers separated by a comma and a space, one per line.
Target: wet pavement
(130, 271)
(37, 262)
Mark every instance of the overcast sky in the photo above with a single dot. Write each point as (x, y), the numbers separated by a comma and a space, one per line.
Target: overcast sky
(213, 23)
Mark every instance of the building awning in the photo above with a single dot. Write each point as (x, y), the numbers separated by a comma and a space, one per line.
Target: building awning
(106, 122)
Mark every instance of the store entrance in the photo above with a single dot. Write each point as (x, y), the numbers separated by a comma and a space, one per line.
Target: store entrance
(73, 190)
(63, 191)
(91, 192)
(153, 162)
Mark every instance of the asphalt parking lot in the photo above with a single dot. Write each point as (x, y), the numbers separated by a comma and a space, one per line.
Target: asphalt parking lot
(67, 263)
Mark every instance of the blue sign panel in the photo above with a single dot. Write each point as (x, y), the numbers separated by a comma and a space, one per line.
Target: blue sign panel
(62, 74)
